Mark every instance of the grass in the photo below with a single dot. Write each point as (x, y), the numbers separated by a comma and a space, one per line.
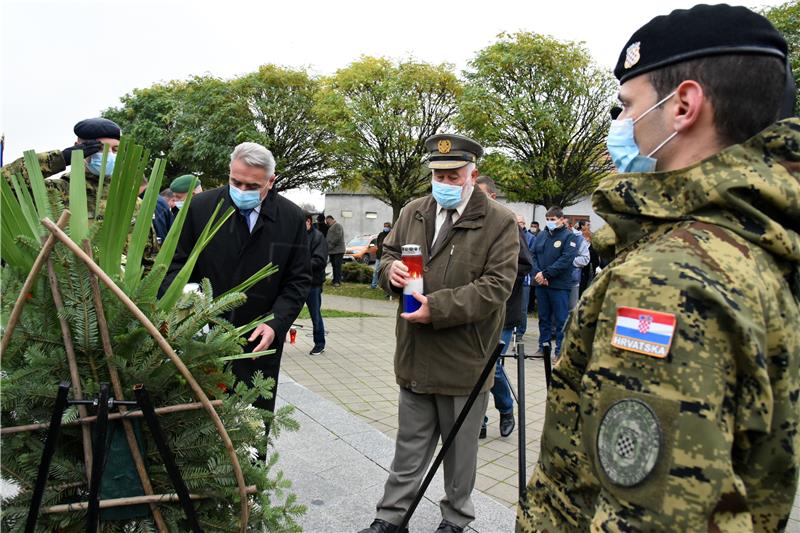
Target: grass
(333, 313)
(355, 290)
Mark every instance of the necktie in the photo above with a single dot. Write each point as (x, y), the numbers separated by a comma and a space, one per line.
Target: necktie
(246, 214)
(447, 225)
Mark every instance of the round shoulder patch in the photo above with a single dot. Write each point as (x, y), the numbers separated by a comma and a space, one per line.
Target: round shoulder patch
(557, 244)
(628, 442)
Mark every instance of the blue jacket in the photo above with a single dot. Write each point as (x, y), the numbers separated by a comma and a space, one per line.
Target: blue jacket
(553, 255)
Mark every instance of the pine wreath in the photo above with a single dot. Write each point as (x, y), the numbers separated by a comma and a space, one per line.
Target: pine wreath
(36, 353)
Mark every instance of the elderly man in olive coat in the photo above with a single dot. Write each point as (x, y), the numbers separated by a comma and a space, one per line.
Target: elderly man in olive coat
(469, 247)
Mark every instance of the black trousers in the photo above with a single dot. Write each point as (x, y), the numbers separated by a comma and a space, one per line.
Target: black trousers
(336, 263)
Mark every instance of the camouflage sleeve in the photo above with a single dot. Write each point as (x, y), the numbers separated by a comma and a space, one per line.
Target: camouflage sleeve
(50, 162)
(686, 439)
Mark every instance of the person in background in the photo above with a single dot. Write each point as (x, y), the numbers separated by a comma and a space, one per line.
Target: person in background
(527, 280)
(162, 216)
(387, 227)
(554, 251)
(580, 262)
(535, 228)
(588, 272)
(180, 189)
(501, 390)
(322, 226)
(92, 134)
(336, 248)
(318, 249)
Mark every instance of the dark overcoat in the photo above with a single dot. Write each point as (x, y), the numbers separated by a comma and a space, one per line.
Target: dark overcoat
(234, 254)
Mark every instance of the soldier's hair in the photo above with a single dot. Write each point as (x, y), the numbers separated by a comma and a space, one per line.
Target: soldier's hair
(329, 217)
(167, 193)
(489, 182)
(554, 211)
(746, 91)
(254, 155)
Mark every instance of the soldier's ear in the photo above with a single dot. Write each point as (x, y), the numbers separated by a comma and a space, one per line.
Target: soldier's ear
(690, 106)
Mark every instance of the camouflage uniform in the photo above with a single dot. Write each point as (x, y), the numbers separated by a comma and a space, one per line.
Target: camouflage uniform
(52, 163)
(718, 246)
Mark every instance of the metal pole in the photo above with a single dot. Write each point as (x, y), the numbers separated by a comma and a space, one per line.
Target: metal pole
(451, 436)
(47, 456)
(101, 429)
(146, 406)
(523, 477)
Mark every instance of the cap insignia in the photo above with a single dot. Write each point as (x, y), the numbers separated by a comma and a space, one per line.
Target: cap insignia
(632, 55)
(444, 146)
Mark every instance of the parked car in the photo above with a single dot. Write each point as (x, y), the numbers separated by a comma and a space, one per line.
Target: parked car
(363, 249)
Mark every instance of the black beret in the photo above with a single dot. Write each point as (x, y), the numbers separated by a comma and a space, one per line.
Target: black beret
(97, 128)
(701, 31)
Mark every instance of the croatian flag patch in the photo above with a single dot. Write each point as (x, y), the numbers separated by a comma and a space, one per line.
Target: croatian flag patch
(643, 331)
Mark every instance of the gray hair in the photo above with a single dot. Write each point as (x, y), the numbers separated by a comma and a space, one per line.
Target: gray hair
(255, 155)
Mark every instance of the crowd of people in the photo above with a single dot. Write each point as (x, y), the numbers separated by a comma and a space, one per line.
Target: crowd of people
(674, 402)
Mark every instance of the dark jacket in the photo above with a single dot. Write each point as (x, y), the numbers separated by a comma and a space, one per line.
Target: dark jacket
(335, 238)
(553, 254)
(467, 282)
(162, 219)
(381, 237)
(524, 266)
(318, 249)
(234, 254)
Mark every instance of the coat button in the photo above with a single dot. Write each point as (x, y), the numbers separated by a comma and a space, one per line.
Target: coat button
(413, 383)
(425, 269)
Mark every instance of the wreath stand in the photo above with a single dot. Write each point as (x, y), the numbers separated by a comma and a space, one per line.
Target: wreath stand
(94, 455)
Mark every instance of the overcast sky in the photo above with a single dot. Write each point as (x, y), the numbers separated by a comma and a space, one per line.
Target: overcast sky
(63, 61)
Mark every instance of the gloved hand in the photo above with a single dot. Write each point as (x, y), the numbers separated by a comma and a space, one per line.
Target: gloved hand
(89, 148)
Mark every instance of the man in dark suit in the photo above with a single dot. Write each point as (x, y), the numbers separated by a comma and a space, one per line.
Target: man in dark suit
(266, 228)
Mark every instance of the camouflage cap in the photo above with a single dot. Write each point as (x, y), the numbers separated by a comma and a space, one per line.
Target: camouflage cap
(182, 183)
(701, 31)
(448, 150)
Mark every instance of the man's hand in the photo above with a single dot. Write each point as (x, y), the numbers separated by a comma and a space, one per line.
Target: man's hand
(267, 335)
(421, 315)
(89, 149)
(540, 279)
(398, 274)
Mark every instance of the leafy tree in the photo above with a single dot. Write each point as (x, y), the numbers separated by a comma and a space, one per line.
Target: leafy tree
(786, 18)
(380, 114)
(541, 106)
(196, 123)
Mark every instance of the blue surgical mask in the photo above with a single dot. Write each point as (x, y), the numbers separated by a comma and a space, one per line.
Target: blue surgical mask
(245, 199)
(96, 160)
(447, 196)
(551, 225)
(623, 148)
(387, 230)
(179, 204)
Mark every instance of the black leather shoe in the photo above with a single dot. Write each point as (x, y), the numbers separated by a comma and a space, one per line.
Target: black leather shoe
(482, 434)
(382, 526)
(507, 424)
(449, 527)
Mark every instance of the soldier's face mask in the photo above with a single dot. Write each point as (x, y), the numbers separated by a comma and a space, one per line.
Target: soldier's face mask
(622, 145)
(95, 162)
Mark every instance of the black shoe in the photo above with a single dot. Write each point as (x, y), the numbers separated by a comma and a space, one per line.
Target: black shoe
(316, 350)
(449, 527)
(507, 424)
(482, 434)
(382, 526)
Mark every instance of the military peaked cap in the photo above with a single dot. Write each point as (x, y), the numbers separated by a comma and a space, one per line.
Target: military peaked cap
(182, 183)
(701, 31)
(97, 128)
(448, 150)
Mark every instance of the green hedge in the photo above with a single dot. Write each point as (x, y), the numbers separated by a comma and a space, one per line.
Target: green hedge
(357, 273)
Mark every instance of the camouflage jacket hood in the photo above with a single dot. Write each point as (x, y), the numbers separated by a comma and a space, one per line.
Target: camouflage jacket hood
(752, 189)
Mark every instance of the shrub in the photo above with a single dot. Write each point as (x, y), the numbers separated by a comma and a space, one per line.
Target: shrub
(357, 273)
